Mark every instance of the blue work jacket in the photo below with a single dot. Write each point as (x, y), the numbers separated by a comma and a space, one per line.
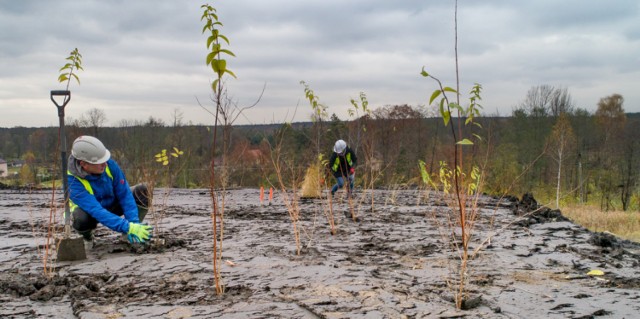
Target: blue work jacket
(107, 191)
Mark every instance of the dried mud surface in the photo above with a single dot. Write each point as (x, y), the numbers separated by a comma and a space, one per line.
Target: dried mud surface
(392, 262)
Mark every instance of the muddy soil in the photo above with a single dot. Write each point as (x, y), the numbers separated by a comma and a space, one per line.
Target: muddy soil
(391, 261)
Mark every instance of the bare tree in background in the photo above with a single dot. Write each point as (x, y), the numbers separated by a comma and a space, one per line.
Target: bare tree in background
(177, 117)
(228, 112)
(92, 119)
(546, 100)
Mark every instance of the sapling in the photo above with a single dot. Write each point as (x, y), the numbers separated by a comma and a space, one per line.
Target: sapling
(215, 59)
(169, 173)
(313, 180)
(284, 167)
(460, 183)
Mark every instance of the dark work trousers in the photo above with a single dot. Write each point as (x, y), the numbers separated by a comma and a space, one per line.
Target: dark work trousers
(84, 223)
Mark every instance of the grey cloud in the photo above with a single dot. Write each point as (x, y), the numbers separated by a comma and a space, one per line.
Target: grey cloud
(149, 55)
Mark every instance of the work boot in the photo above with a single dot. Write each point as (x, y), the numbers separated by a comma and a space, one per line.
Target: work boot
(88, 239)
(88, 244)
(142, 212)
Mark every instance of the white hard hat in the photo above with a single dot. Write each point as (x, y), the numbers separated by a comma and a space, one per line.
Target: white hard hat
(90, 149)
(340, 146)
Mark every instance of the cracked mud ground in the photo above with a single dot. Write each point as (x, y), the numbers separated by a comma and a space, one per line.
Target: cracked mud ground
(393, 262)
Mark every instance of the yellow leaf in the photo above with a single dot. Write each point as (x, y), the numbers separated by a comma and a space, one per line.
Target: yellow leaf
(158, 155)
(158, 160)
(174, 154)
(165, 163)
(176, 149)
(596, 272)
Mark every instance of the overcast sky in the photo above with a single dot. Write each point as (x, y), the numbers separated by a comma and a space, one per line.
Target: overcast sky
(147, 58)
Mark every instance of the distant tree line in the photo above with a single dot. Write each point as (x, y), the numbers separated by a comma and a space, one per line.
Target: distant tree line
(546, 146)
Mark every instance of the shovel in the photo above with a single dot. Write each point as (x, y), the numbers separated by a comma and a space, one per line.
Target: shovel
(69, 249)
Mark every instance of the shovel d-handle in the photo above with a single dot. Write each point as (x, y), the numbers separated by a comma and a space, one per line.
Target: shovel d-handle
(67, 98)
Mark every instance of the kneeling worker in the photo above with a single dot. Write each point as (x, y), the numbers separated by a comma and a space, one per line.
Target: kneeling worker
(99, 193)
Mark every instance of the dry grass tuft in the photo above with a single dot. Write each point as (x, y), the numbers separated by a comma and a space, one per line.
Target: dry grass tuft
(311, 184)
(620, 223)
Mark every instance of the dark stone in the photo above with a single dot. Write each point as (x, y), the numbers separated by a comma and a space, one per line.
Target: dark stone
(604, 240)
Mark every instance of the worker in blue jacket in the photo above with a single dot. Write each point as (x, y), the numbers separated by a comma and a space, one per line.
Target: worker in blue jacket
(99, 193)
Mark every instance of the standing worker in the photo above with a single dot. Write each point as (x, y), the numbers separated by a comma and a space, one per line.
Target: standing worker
(342, 164)
(99, 193)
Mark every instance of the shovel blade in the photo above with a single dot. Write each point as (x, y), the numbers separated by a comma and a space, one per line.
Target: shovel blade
(71, 249)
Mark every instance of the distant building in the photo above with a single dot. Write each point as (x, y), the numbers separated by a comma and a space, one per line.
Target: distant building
(4, 169)
(18, 163)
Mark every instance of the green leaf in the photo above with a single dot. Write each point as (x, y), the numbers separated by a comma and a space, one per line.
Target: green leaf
(465, 142)
(446, 116)
(224, 38)
(424, 73)
(76, 77)
(62, 78)
(477, 136)
(215, 65)
(456, 106)
(222, 67)
(214, 86)
(231, 73)
(210, 57)
(423, 172)
(434, 96)
(216, 48)
(210, 39)
(449, 89)
(206, 26)
(227, 52)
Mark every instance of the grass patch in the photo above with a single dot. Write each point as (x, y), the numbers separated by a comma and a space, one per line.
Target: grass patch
(623, 224)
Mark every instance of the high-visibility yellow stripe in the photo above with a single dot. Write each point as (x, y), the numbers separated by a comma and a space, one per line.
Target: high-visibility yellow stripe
(337, 162)
(86, 185)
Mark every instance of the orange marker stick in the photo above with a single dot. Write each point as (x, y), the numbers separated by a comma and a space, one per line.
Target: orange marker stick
(261, 194)
(270, 194)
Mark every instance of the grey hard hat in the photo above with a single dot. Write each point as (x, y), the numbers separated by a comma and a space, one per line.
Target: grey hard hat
(90, 149)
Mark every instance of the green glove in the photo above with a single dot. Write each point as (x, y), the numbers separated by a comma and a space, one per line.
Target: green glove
(139, 233)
